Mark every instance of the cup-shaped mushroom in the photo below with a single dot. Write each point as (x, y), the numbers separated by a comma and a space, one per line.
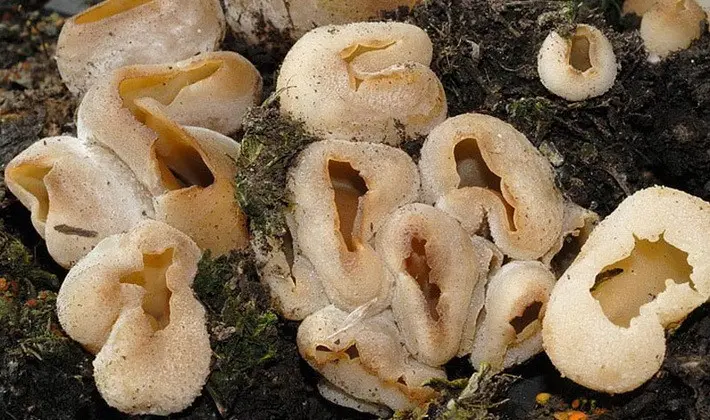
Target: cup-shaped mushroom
(509, 329)
(488, 175)
(364, 82)
(643, 269)
(296, 17)
(130, 301)
(77, 193)
(577, 67)
(436, 269)
(342, 192)
(210, 90)
(365, 359)
(669, 26)
(117, 33)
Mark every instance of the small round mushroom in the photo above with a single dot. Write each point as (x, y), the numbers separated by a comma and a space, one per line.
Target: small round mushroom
(436, 270)
(296, 17)
(77, 193)
(487, 175)
(342, 192)
(577, 67)
(509, 329)
(669, 26)
(130, 301)
(365, 360)
(643, 269)
(367, 81)
(117, 33)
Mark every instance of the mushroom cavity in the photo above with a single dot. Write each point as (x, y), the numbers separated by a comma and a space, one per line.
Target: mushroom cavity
(643, 269)
(126, 32)
(493, 180)
(577, 67)
(364, 82)
(130, 302)
(671, 25)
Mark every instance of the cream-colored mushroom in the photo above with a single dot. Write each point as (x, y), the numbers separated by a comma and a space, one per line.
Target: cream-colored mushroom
(436, 269)
(296, 17)
(637, 7)
(488, 175)
(130, 301)
(77, 193)
(577, 67)
(364, 82)
(342, 193)
(643, 269)
(337, 396)
(509, 328)
(365, 360)
(117, 33)
(669, 26)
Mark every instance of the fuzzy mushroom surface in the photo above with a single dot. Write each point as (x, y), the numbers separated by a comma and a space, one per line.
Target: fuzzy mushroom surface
(130, 302)
(577, 67)
(642, 270)
(117, 33)
(669, 26)
(367, 81)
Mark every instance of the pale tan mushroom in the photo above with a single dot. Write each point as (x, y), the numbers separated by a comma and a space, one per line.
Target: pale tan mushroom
(364, 82)
(488, 175)
(130, 301)
(643, 269)
(342, 193)
(436, 269)
(669, 26)
(365, 360)
(296, 17)
(509, 329)
(77, 193)
(117, 33)
(579, 67)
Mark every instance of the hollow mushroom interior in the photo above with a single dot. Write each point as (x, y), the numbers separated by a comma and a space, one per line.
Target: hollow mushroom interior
(107, 9)
(31, 178)
(352, 52)
(348, 189)
(417, 266)
(623, 287)
(156, 300)
(579, 55)
(527, 323)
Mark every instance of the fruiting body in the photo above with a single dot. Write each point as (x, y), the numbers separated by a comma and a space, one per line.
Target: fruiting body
(671, 25)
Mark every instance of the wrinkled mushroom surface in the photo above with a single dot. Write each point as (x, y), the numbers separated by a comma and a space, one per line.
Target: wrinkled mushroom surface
(77, 193)
(367, 81)
(669, 26)
(130, 301)
(487, 175)
(643, 269)
(117, 33)
(342, 193)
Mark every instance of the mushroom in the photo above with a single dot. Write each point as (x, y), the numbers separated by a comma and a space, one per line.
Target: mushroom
(77, 193)
(130, 301)
(487, 175)
(669, 26)
(365, 360)
(342, 193)
(642, 270)
(117, 33)
(577, 67)
(296, 17)
(509, 328)
(435, 267)
(363, 82)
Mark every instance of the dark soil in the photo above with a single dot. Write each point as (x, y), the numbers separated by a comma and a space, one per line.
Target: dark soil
(653, 127)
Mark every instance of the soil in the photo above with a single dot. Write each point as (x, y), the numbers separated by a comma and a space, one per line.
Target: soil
(653, 127)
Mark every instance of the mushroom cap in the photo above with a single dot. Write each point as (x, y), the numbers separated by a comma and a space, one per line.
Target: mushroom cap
(360, 183)
(653, 241)
(367, 81)
(581, 67)
(78, 194)
(126, 32)
(366, 359)
(638, 7)
(435, 267)
(498, 176)
(131, 300)
(508, 332)
(671, 25)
